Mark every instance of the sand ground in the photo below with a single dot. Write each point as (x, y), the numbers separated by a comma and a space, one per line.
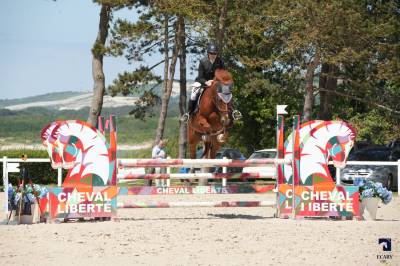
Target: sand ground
(203, 236)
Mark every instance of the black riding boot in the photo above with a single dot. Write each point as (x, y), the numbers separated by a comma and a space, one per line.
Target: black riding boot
(191, 106)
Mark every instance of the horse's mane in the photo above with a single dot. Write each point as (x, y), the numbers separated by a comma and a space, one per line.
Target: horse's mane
(223, 75)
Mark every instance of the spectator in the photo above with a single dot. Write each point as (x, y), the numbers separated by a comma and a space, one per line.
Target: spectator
(158, 152)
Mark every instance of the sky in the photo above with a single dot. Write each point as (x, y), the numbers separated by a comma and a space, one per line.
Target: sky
(45, 47)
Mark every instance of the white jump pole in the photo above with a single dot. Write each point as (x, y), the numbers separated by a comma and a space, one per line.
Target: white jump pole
(168, 172)
(59, 176)
(337, 176)
(224, 170)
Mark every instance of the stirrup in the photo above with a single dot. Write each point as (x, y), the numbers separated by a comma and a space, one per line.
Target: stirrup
(236, 115)
(184, 118)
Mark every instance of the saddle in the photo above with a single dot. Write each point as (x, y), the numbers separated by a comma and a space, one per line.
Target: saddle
(196, 109)
(223, 92)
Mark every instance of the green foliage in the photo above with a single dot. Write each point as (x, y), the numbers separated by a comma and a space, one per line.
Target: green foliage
(98, 50)
(270, 44)
(25, 126)
(374, 127)
(137, 82)
(257, 98)
(129, 83)
(172, 146)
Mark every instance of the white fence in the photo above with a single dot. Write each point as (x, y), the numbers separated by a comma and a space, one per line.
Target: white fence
(11, 165)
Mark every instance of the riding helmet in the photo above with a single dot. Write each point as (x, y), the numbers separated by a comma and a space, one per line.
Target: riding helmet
(212, 48)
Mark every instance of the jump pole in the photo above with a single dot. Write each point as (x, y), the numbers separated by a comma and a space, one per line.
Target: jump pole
(196, 190)
(129, 176)
(131, 163)
(187, 204)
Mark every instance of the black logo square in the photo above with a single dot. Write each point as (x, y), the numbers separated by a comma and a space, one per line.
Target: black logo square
(386, 243)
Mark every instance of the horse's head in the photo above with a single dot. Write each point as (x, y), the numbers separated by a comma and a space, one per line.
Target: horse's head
(223, 84)
(62, 148)
(339, 147)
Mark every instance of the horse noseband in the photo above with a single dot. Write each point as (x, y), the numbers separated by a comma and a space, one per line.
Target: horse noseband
(225, 92)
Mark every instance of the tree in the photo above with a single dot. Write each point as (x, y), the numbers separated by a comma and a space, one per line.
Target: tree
(182, 87)
(97, 64)
(98, 52)
(169, 83)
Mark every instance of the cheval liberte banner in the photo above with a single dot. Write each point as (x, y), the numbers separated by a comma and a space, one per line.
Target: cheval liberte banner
(319, 201)
(82, 202)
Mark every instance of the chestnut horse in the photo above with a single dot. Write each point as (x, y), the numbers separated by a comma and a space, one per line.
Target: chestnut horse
(212, 120)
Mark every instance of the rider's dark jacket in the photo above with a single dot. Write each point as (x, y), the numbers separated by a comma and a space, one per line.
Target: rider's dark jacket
(207, 70)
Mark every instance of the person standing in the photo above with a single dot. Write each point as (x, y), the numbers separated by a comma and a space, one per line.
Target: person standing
(158, 152)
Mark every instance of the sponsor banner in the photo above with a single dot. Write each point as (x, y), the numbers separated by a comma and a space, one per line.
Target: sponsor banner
(319, 201)
(82, 202)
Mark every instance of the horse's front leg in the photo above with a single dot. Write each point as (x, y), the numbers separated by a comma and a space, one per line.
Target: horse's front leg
(214, 148)
(192, 150)
(193, 140)
(204, 123)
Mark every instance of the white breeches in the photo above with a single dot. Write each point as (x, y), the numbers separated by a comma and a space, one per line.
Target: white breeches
(195, 91)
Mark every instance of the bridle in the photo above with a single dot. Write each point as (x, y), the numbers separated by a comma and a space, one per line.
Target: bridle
(219, 103)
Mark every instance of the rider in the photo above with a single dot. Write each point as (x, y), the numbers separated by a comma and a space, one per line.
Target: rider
(206, 72)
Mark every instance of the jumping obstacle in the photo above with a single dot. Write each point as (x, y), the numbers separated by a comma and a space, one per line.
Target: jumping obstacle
(126, 176)
(188, 190)
(295, 195)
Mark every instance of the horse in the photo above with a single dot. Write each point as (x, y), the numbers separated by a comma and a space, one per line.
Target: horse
(211, 122)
